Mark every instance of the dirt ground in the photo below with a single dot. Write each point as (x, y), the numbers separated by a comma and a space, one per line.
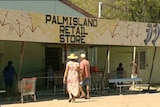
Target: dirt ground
(114, 100)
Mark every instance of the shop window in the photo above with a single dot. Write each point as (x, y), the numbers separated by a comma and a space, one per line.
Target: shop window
(141, 59)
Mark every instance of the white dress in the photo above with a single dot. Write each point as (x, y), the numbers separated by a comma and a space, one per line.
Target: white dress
(73, 78)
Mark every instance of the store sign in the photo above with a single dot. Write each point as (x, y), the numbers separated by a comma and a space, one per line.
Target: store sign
(47, 28)
(72, 29)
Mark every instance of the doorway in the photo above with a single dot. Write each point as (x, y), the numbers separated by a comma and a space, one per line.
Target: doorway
(53, 56)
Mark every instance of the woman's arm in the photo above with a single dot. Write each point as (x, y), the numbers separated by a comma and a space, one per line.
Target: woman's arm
(65, 74)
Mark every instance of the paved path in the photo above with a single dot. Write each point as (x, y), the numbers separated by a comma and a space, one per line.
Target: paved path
(128, 100)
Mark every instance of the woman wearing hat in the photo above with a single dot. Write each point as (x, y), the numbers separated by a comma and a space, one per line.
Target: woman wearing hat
(71, 77)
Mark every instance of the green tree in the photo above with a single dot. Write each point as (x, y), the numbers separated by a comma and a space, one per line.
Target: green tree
(90, 6)
(130, 10)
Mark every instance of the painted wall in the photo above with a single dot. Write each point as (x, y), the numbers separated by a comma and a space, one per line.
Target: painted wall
(101, 57)
(33, 60)
(124, 55)
(9, 51)
(156, 64)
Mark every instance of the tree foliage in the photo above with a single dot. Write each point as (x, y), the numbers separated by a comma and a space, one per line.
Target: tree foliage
(129, 10)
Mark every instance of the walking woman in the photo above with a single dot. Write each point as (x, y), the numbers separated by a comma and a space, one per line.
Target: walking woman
(71, 77)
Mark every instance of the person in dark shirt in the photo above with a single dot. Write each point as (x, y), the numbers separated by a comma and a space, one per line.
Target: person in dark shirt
(120, 72)
(8, 76)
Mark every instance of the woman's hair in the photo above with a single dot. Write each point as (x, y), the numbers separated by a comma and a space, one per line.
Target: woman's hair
(73, 59)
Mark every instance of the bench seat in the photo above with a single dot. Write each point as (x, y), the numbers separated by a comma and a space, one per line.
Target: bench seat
(127, 82)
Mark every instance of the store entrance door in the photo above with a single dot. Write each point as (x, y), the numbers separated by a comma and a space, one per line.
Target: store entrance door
(53, 56)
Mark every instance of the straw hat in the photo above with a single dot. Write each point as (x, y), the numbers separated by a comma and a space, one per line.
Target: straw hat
(83, 55)
(72, 56)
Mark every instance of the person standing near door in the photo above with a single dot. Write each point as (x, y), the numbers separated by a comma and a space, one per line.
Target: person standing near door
(50, 76)
(8, 77)
(134, 71)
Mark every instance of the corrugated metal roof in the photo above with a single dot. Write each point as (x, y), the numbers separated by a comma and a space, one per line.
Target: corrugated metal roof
(58, 7)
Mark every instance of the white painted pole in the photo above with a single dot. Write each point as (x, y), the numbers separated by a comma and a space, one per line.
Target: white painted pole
(134, 53)
(108, 59)
(99, 10)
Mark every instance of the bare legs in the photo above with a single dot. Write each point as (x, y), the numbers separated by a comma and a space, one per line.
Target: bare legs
(71, 98)
(81, 92)
(83, 95)
(87, 89)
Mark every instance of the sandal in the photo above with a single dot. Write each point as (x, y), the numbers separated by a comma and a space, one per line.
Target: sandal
(83, 96)
(70, 99)
(87, 97)
(73, 100)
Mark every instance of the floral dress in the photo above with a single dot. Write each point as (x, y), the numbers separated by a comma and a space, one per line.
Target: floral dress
(73, 78)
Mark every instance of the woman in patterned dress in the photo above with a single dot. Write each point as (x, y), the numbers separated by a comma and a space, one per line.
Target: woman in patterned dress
(71, 77)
